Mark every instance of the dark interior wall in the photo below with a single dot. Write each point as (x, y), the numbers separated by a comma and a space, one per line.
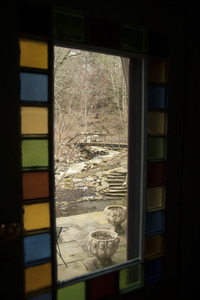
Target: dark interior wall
(182, 220)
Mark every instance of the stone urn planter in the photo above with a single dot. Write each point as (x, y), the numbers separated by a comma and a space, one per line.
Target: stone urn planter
(116, 215)
(103, 244)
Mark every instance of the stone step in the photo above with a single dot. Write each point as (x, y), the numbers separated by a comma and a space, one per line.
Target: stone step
(116, 192)
(116, 195)
(119, 188)
(115, 180)
(116, 184)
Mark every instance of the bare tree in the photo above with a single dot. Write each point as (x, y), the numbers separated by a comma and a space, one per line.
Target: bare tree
(90, 96)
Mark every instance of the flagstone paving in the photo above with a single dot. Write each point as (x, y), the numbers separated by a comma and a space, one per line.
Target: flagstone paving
(73, 244)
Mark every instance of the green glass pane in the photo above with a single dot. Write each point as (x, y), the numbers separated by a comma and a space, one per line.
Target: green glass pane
(133, 39)
(72, 292)
(70, 27)
(131, 278)
(156, 148)
(35, 153)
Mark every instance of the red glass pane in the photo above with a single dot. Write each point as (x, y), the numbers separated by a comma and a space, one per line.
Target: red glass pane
(103, 286)
(155, 174)
(103, 33)
(35, 185)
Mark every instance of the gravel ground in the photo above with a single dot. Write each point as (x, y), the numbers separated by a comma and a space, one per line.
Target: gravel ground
(70, 202)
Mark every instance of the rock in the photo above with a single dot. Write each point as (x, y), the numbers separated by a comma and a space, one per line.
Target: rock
(104, 184)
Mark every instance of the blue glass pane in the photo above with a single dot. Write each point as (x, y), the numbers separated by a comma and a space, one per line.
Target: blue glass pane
(153, 270)
(37, 248)
(157, 97)
(34, 87)
(46, 296)
(154, 223)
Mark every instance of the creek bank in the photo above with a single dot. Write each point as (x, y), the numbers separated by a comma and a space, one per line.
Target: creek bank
(93, 184)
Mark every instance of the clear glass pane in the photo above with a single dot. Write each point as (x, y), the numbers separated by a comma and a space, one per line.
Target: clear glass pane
(35, 153)
(37, 248)
(34, 120)
(38, 277)
(36, 216)
(35, 185)
(34, 87)
(33, 54)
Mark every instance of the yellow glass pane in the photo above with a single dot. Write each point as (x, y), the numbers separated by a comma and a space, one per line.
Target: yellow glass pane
(34, 120)
(156, 123)
(155, 198)
(36, 216)
(154, 246)
(33, 54)
(157, 70)
(38, 277)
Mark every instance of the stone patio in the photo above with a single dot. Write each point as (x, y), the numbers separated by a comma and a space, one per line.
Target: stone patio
(73, 244)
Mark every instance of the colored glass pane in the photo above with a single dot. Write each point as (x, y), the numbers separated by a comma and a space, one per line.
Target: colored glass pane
(155, 198)
(157, 97)
(108, 282)
(103, 33)
(156, 123)
(155, 174)
(153, 246)
(131, 278)
(133, 39)
(69, 27)
(35, 153)
(46, 296)
(153, 270)
(34, 87)
(154, 223)
(34, 120)
(156, 148)
(36, 216)
(72, 292)
(33, 54)
(35, 185)
(157, 70)
(37, 248)
(38, 277)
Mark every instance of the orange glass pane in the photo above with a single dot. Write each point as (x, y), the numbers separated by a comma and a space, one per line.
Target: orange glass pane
(33, 54)
(34, 120)
(155, 198)
(157, 70)
(36, 216)
(156, 123)
(35, 185)
(38, 277)
(154, 246)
